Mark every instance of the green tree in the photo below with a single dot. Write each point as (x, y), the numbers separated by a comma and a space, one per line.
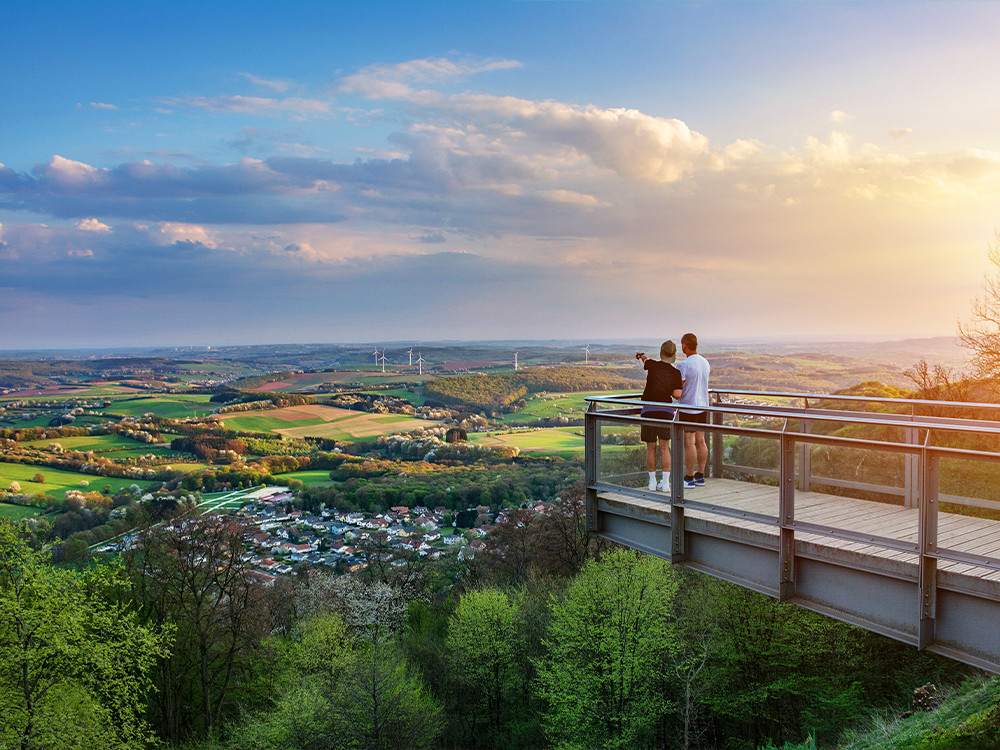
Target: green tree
(484, 640)
(607, 642)
(74, 663)
(337, 693)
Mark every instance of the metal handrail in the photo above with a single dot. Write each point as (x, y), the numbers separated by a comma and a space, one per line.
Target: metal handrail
(867, 399)
(792, 412)
(923, 470)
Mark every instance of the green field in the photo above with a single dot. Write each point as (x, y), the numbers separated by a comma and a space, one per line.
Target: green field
(570, 405)
(559, 440)
(171, 406)
(96, 443)
(311, 476)
(260, 423)
(17, 512)
(57, 481)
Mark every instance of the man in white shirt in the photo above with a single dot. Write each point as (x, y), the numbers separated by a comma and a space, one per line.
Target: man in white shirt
(694, 393)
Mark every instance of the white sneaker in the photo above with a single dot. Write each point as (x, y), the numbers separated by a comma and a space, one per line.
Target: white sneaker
(664, 485)
(652, 485)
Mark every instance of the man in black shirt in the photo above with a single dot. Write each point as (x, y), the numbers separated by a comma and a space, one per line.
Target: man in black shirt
(663, 384)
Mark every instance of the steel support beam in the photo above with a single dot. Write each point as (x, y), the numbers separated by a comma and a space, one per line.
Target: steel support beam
(927, 544)
(786, 518)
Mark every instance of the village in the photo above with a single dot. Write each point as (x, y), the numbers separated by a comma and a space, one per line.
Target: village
(284, 541)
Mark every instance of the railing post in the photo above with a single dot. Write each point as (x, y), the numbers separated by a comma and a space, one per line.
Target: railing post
(786, 516)
(678, 552)
(592, 455)
(927, 546)
(717, 442)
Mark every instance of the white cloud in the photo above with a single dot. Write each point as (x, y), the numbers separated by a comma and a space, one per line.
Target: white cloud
(255, 105)
(70, 173)
(96, 105)
(92, 225)
(376, 80)
(839, 117)
(274, 84)
(173, 232)
(571, 196)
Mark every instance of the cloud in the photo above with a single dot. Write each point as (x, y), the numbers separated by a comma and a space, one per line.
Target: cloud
(295, 107)
(92, 225)
(370, 80)
(274, 84)
(899, 133)
(839, 117)
(96, 105)
(555, 205)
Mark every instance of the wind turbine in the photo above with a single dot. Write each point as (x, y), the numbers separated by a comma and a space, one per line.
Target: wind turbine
(515, 361)
(420, 363)
(383, 360)
(410, 352)
(376, 355)
(587, 355)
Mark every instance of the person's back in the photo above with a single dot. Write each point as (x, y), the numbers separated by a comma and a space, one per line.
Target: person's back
(694, 390)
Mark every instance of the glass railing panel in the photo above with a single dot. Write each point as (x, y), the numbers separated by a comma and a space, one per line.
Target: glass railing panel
(863, 490)
(969, 506)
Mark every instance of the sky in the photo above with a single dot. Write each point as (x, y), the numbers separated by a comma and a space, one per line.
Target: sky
(211, 173)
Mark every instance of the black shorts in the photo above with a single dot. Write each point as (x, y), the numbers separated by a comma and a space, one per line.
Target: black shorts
(648, 433)
(698, 417)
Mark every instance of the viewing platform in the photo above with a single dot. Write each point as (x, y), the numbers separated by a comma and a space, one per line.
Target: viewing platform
(884, 513)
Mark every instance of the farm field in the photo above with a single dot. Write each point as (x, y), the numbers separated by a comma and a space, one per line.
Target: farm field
(96, 443)
(549, 440)
(310, 476)
(169, 405)
(57, 481)
(17, 512)
(315, 420)
(571, 405)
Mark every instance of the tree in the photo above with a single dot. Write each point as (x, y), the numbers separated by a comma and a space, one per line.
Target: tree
(981, 333)
(74, 664)
(483, 637)
(191, 573)
(335, 692)
(607, 642)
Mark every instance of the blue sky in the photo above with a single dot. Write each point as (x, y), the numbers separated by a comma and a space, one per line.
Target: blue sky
(254, 172)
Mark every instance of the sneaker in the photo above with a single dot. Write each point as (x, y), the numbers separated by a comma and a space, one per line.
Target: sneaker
(664, 485)
(699, 479)
(652, 485)
(689, 482)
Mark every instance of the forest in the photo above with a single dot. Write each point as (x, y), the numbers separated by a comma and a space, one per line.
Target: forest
(553, 639)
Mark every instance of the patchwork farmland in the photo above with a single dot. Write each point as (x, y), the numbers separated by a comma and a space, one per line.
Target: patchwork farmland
(316, 420)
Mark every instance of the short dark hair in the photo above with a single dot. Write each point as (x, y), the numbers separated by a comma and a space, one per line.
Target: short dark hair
(690, 341)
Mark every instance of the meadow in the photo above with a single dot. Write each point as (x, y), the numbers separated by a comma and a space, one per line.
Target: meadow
(315, 420)
(544, 406)
(57, 481)
(17, 512)
(168, 405)
(564, 441)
